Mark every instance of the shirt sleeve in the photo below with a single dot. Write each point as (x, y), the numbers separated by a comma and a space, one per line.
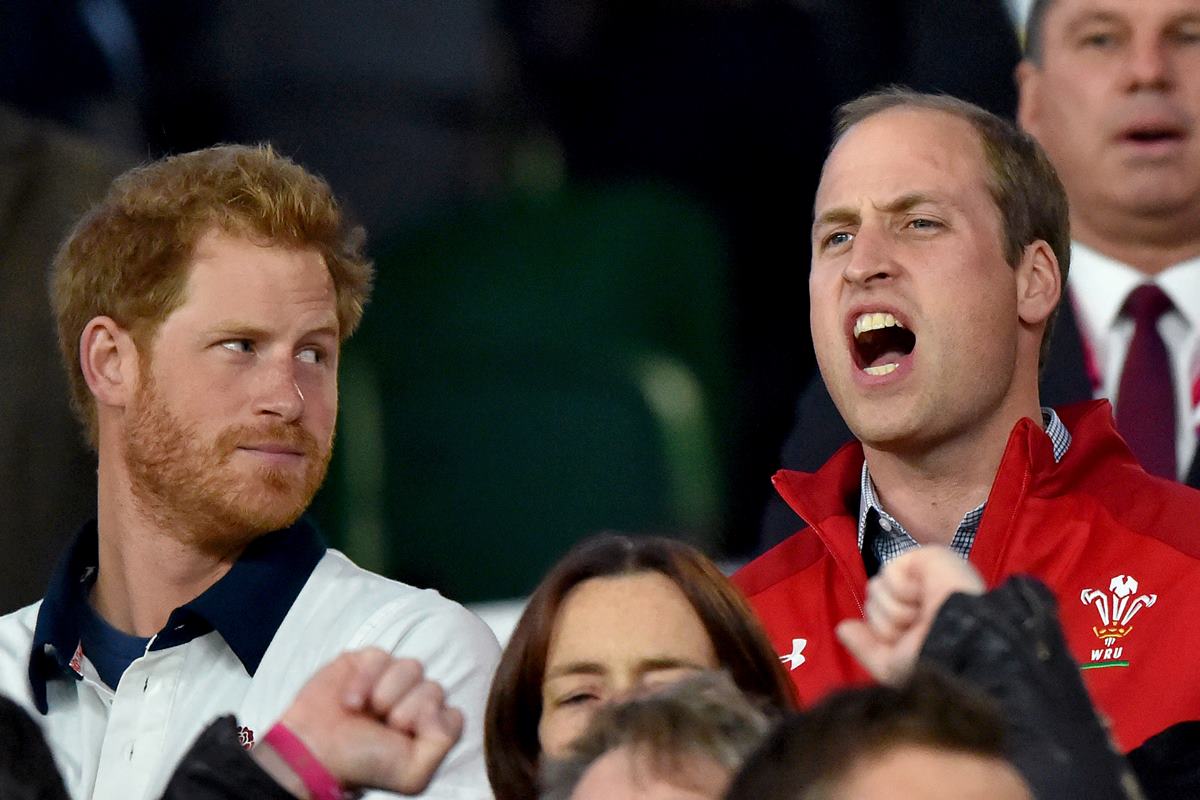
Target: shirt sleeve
(459, 651)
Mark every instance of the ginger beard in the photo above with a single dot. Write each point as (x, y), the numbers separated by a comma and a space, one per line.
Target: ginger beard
(193, 492)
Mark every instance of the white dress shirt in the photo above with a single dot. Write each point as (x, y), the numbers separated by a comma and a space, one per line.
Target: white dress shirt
(1099, 287)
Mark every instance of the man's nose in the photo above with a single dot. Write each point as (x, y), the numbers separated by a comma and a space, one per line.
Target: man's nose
(279, 393)
(1149, 64)
(872, 258)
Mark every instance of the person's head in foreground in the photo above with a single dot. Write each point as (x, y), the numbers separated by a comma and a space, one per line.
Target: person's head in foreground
(615, 616)
(928, 739)
(678, 743)
(200, 309)
(940, 246)
(1111, 89)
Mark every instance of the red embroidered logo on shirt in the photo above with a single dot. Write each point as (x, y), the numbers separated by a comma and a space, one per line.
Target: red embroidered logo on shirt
(76, 662)
(245, 737)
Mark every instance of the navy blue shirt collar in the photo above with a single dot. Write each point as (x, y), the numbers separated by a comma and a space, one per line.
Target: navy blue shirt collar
(246, 606)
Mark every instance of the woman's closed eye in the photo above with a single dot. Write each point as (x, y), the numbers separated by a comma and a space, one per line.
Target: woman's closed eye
(577, 699)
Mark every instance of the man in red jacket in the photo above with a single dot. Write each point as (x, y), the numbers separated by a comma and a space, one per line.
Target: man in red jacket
(940, 250)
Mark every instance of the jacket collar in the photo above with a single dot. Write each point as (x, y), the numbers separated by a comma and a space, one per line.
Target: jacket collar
(825, 497)
(246, 606)
(1026, 468)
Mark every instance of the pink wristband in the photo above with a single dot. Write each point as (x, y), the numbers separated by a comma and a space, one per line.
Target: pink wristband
(312, 773)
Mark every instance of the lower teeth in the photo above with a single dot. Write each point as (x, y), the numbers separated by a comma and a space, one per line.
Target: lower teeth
(883, 369)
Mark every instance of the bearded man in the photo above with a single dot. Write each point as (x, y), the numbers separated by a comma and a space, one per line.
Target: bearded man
(200, 310)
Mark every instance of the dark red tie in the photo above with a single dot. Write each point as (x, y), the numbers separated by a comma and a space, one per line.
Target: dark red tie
(1146, 397)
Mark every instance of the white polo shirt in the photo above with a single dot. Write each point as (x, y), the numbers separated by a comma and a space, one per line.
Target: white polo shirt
(244, 647)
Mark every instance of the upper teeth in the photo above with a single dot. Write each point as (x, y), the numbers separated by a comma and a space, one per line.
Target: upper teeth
(873, 322)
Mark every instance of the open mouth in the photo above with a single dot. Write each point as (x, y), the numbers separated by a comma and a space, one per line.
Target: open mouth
(1158, 133)
(880, 342)
(1152, 136)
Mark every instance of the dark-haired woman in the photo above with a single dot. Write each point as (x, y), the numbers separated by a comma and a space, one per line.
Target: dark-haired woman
(617, 615)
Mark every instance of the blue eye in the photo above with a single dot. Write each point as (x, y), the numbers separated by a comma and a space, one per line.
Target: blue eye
(838, 238)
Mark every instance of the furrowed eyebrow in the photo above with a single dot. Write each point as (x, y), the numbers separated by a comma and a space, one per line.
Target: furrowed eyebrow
(837, 216)
(906, 202)
(848, 216)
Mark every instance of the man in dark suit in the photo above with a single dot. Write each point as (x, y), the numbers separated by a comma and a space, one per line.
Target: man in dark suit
(1112, 92)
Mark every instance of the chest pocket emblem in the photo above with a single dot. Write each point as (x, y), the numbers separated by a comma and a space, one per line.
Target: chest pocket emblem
(1116, 609)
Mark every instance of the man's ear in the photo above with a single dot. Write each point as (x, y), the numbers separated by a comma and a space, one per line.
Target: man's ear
(108, 357)
(1028, 78)
(1039, 283)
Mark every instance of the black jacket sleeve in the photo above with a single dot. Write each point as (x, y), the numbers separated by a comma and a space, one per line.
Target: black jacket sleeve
(217, 768)
(1008, 643)
(27, 770)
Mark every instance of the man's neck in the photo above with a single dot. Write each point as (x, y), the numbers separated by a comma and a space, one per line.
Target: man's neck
(930, 492)
(1149, 245)
(145, 572)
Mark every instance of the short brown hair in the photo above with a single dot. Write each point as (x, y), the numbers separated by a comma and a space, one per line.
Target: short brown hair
(808, 754)
(510, 727)
(1022, 182)
(127, 257)
(701, 716)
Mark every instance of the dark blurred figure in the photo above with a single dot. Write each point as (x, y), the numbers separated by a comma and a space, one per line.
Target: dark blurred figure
(385, 99)
(27, 770)
(48, 176)
(732, 101)
(75, 63)
(67, 116)
(1168, 764)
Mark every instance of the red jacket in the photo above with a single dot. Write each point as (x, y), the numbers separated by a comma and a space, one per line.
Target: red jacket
(1119, 548)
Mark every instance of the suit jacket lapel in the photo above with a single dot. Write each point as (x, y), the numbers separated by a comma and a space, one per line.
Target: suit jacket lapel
(1064, 378)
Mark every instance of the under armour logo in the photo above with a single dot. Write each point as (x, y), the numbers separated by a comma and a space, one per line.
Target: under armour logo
(796, 657)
